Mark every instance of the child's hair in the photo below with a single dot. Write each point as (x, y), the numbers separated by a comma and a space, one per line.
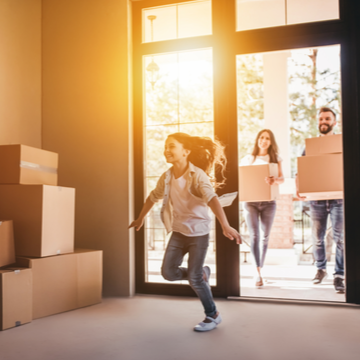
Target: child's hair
(205, 153)
(273, 149)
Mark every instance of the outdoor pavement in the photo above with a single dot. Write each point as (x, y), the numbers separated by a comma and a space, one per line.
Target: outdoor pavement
(281, 281)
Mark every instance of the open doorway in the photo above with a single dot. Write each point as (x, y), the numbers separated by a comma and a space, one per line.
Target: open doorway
(283, 92)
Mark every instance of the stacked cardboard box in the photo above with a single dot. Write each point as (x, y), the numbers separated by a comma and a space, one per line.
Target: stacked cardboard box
(252, 185)
(43, 216)
(320, 172)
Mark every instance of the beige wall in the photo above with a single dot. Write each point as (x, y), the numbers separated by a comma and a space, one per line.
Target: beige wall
(20, 72)
(85, 108)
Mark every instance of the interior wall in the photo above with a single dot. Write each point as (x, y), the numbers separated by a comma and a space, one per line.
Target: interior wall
(86, 120)
(20, 72)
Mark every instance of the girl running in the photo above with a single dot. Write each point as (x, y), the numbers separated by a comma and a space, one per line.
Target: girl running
(187, 192)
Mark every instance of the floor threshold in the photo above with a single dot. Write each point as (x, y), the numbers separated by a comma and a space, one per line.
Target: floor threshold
(293, 301)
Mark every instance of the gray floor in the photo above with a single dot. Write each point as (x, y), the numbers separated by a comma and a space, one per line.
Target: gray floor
(156, 327)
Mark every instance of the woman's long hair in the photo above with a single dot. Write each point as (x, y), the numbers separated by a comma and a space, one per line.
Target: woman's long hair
(205, 153)
(273, 149)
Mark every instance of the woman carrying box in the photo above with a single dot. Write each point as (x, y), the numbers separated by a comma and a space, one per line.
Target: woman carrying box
(262, 213)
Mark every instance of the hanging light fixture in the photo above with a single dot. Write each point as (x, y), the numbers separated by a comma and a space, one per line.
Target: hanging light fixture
(153, 68)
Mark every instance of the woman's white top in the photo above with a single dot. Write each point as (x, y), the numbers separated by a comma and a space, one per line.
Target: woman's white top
(190, 214)
(259, 160)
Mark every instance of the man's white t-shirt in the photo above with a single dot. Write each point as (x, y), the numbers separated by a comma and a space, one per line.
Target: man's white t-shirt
(190, 214)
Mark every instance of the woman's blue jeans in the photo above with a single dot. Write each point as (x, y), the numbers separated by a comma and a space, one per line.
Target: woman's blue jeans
(319, 211)
(259, 213)
(196, 246)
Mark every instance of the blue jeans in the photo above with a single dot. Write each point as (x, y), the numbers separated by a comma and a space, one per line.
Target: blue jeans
(265, 212)
(319, 211)
(196, 246)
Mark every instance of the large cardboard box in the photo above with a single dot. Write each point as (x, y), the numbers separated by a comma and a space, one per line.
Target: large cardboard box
(7, 246)
(15, 297)
(329, 144)
(65, 282)
(21, 164)
(321, 177)
(252, 185)
(43, 216)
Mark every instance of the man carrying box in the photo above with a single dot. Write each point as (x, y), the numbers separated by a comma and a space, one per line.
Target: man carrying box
(319, 211)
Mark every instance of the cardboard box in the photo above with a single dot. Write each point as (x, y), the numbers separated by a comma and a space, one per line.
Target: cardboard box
(65, 282)
(21, 164)
(15, 297)
(330, 144)
(43, 216)
(89, 267)
(252, 185)
(321, 177)
(7, 246)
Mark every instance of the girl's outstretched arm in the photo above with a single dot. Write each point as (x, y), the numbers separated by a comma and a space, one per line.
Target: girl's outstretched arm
(138, 223)
(228, 231)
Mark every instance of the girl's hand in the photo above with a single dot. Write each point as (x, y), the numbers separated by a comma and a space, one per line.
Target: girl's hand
(232, 234)
(138, 223)
(270, 180)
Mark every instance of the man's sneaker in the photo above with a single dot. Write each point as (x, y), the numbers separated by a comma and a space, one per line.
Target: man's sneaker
(339, 284)
(320, 276)
(207, 326)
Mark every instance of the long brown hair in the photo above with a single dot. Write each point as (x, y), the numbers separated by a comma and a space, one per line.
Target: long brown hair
(205, 153)
(273, 149)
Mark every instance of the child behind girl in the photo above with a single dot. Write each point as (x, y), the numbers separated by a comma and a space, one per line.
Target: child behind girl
(187, 192)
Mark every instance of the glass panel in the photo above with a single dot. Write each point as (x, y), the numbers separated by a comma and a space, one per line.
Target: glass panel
(177, 21)
(302, 11)
(159, 23)
(255, 14)
(195, 86)
(179, 87)
(194, 19)
(283, 92)
(178, 97)
(162, 90)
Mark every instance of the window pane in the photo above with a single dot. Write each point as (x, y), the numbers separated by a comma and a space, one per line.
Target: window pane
(177, 21)
(178, 97)
(195, 86)
(159, 24)
(194, 19)
(162, 90)
(301, 11)
(179, 87)
(255, 14)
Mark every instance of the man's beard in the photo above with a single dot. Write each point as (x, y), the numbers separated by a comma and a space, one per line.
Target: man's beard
(327, 130)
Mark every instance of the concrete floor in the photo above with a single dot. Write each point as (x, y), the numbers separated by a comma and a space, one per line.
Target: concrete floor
(160, 328)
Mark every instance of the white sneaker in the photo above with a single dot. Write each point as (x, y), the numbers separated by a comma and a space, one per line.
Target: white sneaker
(207, 326)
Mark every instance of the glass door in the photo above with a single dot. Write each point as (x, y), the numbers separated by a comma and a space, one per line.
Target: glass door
(282, 92)
(207, 67)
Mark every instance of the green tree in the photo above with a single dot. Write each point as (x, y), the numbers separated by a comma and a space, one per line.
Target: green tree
(310, 88)
(250, 99)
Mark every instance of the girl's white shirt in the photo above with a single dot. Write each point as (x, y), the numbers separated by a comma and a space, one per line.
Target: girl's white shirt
(190, 214)
(259, 160)
(197, 185)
